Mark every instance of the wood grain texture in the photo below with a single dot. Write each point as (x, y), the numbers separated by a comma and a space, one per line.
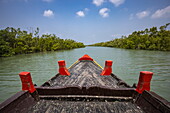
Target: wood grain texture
(153, 103)
(57, 106)
(85, 74)
(18, 103)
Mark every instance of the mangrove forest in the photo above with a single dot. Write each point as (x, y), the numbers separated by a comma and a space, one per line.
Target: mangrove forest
(16, 41)
(148, 39)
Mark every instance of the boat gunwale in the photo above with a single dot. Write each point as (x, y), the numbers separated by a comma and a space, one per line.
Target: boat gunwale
(14, 102)
(152, 103)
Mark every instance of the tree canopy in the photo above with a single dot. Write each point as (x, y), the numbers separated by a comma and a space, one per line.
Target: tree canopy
(148, 39)
(15, 41)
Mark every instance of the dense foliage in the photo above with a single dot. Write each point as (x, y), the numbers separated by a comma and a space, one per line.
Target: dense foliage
(149, 39)
(14, 41)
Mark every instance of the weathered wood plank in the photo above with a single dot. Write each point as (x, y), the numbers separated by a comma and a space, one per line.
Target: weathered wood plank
(98, 91)
(86, 98)
(85, 74)
(18, 103)
(153, 103)
(58, 106)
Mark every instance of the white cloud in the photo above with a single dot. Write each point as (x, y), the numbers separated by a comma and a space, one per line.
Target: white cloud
(142, 14)
(47, 0)
(117, 2)
(98, 2)
(48, 13)
(104, 12)
(162, 13)
(80, 14)
(83, 12)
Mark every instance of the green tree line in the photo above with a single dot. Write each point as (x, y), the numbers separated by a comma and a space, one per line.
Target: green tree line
(148, 39)
(16, 41)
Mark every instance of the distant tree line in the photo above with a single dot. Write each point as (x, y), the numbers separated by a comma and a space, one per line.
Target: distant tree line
(16, 41)
(149, 39)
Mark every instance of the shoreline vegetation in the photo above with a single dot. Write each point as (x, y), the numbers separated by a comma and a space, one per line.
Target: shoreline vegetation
(15, 41)
(149, 39)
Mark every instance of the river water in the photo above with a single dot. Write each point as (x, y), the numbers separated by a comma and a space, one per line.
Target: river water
(126, 64)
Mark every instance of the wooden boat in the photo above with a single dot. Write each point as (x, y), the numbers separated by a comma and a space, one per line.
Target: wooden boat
(85, 87)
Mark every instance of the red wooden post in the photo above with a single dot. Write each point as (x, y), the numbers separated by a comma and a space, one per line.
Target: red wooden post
(27, 83)
(62, 68)
(108, 68)
(144, 81)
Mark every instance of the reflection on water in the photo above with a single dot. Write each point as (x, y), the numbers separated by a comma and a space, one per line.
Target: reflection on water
(126, 64)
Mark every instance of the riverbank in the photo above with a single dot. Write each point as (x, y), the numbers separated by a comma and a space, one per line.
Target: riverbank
(15, 41)
(148, 39)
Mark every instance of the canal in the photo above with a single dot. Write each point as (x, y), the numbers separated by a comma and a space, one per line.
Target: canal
(126, 64)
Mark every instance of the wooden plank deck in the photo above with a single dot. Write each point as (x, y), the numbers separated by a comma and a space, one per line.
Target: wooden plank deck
(57, 106)
(85, 79)
(85, 74)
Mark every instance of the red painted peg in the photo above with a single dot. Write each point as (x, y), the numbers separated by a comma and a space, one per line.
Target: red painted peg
(108, 68)
(144, 81)
(62, 68)
(27, 83)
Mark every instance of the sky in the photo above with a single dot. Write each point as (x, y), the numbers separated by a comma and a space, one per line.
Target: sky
(87, 21)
